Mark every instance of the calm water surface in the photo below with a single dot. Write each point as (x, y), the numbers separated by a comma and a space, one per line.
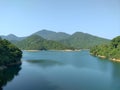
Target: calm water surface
(57, 70)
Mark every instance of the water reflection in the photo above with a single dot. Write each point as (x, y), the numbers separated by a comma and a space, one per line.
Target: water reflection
(65, 71)
(116, 70)
(45, 63)
(116, 75)
(8, 75)
(68, 77)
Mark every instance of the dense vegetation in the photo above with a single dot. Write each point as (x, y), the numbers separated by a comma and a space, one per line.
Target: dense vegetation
(35, 42)
(111, 50)
(9, 53)
(78, 40)
(81, 40)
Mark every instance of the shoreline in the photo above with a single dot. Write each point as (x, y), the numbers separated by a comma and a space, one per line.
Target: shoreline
(66, 50)
(100, 56)
(32, 50)
(115, 60)
(104, 57)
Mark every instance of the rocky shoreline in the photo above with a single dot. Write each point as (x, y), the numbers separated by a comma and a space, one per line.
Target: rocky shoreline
(66, 50)
(112, 59)
(115, 60)
(104, 57)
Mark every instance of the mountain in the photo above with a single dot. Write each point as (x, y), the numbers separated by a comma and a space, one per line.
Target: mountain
(35, 42)
(50, 35)
(81, 40)
(78, 40)
(12, 37)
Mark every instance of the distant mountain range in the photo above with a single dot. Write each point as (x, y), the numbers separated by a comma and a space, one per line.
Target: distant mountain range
(52, 40)
(12, 37)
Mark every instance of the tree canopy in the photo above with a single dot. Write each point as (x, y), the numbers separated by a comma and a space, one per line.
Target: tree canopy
(35, 42)
(111, 50)
(9, 53)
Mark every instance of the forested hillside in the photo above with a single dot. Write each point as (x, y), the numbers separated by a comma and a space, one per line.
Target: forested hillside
(35, 42)
(57, 40)
(111, 51)
(9, 53)
(51, 35)
(81, 40)
(77, 40)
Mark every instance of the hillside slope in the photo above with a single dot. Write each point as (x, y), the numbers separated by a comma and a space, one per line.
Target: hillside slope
(78, 40)
(12, 37)
(81, 40)
(35, 42)
(51, 35)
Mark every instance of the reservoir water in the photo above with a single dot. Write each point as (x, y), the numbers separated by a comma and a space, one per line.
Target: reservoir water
(59, 70)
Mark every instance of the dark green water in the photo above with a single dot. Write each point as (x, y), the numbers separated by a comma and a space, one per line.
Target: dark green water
(57, 70)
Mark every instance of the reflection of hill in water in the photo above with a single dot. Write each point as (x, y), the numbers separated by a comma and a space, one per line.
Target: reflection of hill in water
(45, 63)
(8, 75)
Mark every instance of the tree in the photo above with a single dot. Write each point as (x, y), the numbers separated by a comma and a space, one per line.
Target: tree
(111, 50)
(115, 42)
(9, 53)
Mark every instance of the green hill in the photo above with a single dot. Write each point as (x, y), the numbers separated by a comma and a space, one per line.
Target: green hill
(9, 53)
(111, 51)
(77, 40)
(81, 40)
(50, 35)
(35, 42)
(12, 37)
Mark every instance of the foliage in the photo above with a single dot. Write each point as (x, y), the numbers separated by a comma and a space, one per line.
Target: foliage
(111, 50)
(78, 40)
(81, 40)
(35, 42)
(9, 53)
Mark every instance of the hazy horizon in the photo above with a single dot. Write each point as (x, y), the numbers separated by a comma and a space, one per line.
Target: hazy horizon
(96, 17)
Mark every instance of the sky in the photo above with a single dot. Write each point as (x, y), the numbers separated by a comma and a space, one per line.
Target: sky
(96, 17)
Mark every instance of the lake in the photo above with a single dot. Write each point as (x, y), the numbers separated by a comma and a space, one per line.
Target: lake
(59, 70)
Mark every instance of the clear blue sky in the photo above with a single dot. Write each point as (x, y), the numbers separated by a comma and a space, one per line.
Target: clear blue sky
(24, 17)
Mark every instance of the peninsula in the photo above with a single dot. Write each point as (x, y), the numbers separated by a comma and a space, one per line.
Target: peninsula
(110, 51)
(10, 55)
